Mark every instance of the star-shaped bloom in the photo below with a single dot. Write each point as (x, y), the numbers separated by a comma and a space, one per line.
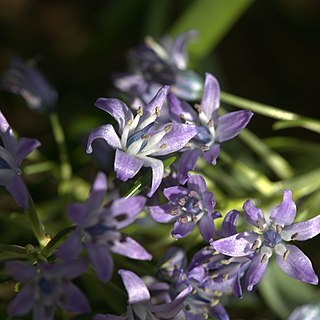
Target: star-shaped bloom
(274, 233)
(140, 306)
(188, 206)
(97, 230)
(141, 138)
(11, 155)
(154, 64)
(25, 80)
(45, 287)
(212, 129)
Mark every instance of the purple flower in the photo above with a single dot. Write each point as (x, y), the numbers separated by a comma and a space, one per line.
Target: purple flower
(140, 306)
(45, 287)
(140, 139)
(212, 129)
(275, 231)
(155, 64)
(187, 207)
(11, 155)
(96, 230)
(24, 80)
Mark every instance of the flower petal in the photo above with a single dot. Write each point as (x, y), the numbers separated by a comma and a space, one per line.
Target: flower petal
(136, 289)
(211, 96)
(219, 312)
(253, 214)
(18, 191)
(7, 136)
(206, 227)
(297, 265)
(228, 227)
(181, 230)
(70, 248)
(107, 133)
(72, 269)
(157, 173)
(237, 245)
(284, 213)
(24, 147)
(162, 213)
(98, 191)
(117, 109)
(301, 231)
(212, 154)
(187, 162)
(173, 194)
(77, 212)
(19, 270)
(126, 166)
(256, 270)
(22, 303)
(197, 183)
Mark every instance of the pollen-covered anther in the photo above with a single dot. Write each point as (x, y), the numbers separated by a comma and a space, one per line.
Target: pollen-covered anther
(256, 244)
(157, 111)
(215, 275)
(205, 315)
(193, 194)
(210, 123)
(214, 302)
(198, 107)
(140, 111)
(217, 293)
(168, 128)
(184, 219)
(182, 117)
(264, 258)
(225, 261)
(182, 201)
(145, 136)
(204, 147)
(278, 229)
(194, 218)
(225, 277)
(163, 146)
(260, 225)
(285, 256)
(294, 236)
(174, 211)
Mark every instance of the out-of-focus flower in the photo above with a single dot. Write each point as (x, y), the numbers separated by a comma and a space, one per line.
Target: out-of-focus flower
(25, 80)
(212, 129)
(140, 306)
(275, 230)
(140, 139)
(306, 312)
(187, 207)
(96, 230)
(156, 64)
(11, 155)
(45, 287)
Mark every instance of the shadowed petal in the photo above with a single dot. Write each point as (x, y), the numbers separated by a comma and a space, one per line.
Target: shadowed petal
(228, 227)
(22, 303)
(302, 230)
(136, 289)
(187, 162)
(108, 317)
(219, 312)
(43, 312)
(70, 248)
(209, 203)
(157, 173)
(126, 166)
(181, 230)
(72, 269)
(256, 270)
(212, 154)
(117, 109)
(7, 136)
(211, 96)
(98, 191)
(253, 215)
(20, 270)
(107, 133)
(284, 213)
(297, 265)
(162, 213)
(206, 226)
(237, 245)
(173, 194)
(197, 183)
(229, 125)
(18, 191)
(77, 212)
(24, 147)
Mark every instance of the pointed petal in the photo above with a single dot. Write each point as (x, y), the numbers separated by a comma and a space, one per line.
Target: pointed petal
(157, 173)
(136, 289)
(297, 265)
(253, 215)
(181, 111)
(173, 194)
(43, 312)
(8, 139)
(22, 303)
(181, 230)
(228, 227)
(101, 260)
(237, 245)
(77, 212)
(107, 133)
(209, 203)
(212, 154)
(229, 125)
(117, 109)
(24, 147)
(124, 211)
(301, 231)
(256, 271)
(219, 312)
(176, 138)
(206, 226)
(162, 213)
(18, 191)
(285, 213)
(211, 96)
(126, 246)
(98, 191)
(197, 183)
(70, 248)
(126, 166)
(72, 269)
(19, 270)
(187, 162)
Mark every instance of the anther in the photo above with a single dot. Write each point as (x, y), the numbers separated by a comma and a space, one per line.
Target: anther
(225, 277)
(215, 252)
(192, 193)
(182, 117)
(198, 107)
(145, 136)
(182, 201)
(217, 293)
(294, 236)
(214, 302)
(168, 128)
(129, 122)
(285, 256)
(140, 111)
(204, 147)
(256, 245)
(210, 123)
(260, 225)
(157, 111)
(225, 261)
(264, 258)
(278, 229)
(174, 211)
(183, 219)
(194, 218)
(163, 146)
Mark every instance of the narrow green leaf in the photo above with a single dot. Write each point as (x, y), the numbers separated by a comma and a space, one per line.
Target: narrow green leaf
(312, 125)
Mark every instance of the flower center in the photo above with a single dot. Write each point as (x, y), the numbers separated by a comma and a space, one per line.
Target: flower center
(45, 285)
(271, 238)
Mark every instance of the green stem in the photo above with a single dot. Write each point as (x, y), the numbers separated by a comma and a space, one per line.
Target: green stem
(65, 167)
(12, 248)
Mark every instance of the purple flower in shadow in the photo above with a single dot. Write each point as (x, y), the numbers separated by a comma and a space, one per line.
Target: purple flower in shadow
(140, 306)
(140, 139)
(274, 232)
(188, 206)
(11, 155)
(97, 230)
(212, 129)
(45, 287)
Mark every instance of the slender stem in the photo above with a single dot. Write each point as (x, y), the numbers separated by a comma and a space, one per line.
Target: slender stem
(58, 133)
(12, 248)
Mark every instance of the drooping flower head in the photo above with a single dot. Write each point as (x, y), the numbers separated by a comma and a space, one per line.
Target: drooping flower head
(274, 232)
(97, 230)
(212, 129)
(11, 155)
(140, 138)
(46, 287)
(28, 82)
(188, 206)
(154, 64)
(140, 306)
